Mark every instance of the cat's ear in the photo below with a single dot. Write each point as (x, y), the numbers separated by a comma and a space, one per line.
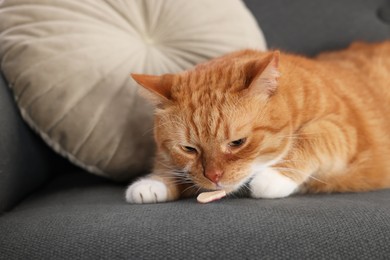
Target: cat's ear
(158, 87)
(262, 75)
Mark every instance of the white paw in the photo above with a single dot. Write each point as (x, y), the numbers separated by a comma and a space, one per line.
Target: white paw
(147, 191)
(271, 184)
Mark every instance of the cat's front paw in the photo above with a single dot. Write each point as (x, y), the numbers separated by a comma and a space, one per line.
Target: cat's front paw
(147, 191)
(270, 184)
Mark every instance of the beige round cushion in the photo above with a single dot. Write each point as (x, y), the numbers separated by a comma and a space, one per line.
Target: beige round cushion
(68, 63)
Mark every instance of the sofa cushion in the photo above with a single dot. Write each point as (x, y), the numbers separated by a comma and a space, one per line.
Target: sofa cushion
(309, 27)
(68, 63)
(80, 216)
(24, 160)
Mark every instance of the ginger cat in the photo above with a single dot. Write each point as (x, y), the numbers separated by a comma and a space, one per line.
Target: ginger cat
(273, 122)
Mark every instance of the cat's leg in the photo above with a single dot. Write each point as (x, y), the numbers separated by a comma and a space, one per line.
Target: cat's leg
(319, 149)
(153, 189)
(271, 184)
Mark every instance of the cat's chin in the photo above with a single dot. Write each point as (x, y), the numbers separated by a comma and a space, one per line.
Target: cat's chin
(213, 187)
(230, 188)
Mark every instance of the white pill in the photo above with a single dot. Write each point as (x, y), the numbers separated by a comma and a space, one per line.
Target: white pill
(206, 197)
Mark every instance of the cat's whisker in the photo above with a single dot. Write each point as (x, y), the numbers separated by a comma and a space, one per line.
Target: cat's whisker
(165, 165)
(245, 186)
(152, 128)
(299, 137)
(198, 190)
(193, 186)
(181, 174)
(182, 183)
(185, 182)
(315, 178)
(173, 178)
(171, 168)
(299, 172)
(166, 121)
(289, 160)
(177, 179)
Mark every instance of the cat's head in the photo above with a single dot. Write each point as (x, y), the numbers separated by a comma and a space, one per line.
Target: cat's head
(222, 121)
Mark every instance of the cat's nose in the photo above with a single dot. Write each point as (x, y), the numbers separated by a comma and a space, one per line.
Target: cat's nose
(214, 175)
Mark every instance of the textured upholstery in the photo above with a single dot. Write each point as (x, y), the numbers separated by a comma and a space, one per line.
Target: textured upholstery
(24, 161)
(308, 27)
(83, 217)
(78, 216)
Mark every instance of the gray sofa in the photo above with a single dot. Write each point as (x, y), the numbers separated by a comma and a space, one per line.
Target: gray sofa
(53, 210)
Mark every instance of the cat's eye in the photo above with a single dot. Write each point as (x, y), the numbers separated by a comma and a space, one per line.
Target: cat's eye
(189, 149)
(237, 143)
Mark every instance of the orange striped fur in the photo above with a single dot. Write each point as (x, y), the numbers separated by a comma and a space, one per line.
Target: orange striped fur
(322, 122)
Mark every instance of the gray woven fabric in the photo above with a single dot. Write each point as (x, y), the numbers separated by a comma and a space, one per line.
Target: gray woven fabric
(25, 161)
(309, 27)
(82, 217)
